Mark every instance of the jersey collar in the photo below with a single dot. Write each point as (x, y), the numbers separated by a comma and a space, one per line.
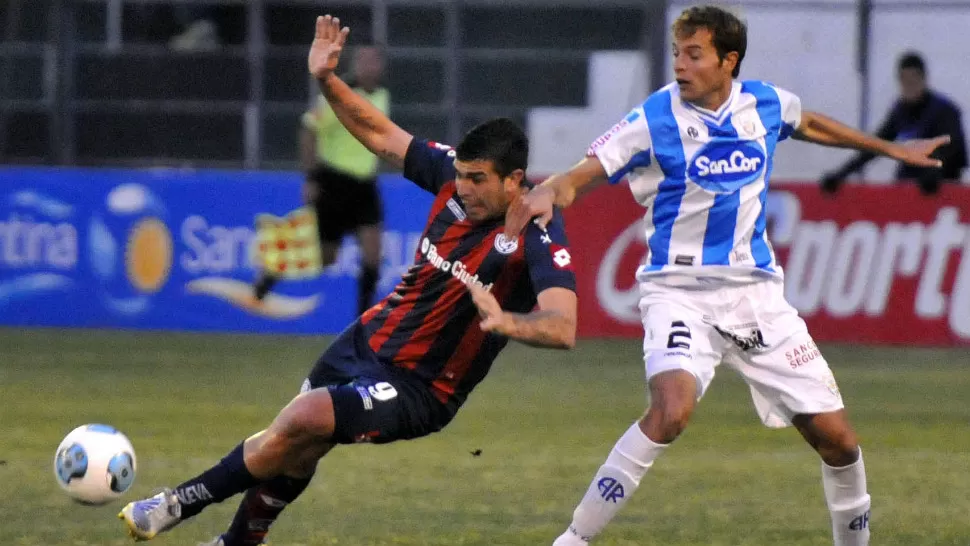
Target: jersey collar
(717, 117)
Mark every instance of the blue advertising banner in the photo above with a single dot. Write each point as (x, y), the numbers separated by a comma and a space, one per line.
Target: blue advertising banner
(174, 249)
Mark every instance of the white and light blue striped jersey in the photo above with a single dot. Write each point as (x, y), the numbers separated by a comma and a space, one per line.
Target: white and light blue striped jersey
(703, 177)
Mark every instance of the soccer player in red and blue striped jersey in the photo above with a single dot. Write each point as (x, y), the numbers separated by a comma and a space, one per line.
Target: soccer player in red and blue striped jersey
(403, 368)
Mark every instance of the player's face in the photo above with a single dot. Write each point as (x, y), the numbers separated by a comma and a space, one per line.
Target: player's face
(701, 74)
(368, 66)
(912, 84)
(485, 194)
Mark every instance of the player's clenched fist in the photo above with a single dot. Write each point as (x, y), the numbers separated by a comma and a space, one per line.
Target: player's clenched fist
(327, 45)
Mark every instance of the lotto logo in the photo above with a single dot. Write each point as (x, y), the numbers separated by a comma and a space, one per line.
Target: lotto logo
(610, 489)
(562, 258)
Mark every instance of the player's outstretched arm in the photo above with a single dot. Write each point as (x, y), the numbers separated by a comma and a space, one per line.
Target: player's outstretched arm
(826, 131)
(553, 325)
(558, 190)
(368, 124)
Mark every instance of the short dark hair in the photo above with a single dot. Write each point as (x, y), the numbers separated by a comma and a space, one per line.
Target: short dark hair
(499, 140)
(728, 32)
(911, 59)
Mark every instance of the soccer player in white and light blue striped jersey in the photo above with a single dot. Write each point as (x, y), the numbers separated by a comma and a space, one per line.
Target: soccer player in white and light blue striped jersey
(698, 155)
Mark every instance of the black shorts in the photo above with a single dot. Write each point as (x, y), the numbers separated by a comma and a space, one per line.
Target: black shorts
(344, 203)
(373, 402)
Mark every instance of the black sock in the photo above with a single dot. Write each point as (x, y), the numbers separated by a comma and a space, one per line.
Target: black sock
(217, 484)
(264, 285)
(366, 286)
(260, 508)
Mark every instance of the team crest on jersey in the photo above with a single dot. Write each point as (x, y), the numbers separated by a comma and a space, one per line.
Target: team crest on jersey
(725, 166)
(746, 123)
(505, 245)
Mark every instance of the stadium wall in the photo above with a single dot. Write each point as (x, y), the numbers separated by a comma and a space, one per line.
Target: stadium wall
(874, 265)
(177, 249)
(174, 249)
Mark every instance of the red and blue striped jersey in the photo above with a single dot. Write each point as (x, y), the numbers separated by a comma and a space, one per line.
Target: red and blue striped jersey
(428, 324)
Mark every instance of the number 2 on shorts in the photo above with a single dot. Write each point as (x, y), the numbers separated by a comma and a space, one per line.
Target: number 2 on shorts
(679, 336)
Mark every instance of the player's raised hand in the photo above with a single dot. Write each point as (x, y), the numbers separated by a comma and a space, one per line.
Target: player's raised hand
(489, 309)
(327, 45)
(537, 204)
(917, 152)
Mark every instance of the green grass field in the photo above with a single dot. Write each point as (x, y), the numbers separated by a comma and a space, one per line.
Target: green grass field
(544, 420)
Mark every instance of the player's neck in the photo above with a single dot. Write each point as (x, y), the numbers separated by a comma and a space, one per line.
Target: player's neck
(714, 100)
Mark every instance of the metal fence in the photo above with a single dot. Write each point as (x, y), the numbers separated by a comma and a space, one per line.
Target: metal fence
(75, 89)
(79, 86)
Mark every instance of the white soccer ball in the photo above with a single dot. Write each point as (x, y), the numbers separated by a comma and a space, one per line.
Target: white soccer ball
(95, 464)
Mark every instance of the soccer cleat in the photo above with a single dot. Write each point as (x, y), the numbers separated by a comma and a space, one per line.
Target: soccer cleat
(218, 541)
(149, 517)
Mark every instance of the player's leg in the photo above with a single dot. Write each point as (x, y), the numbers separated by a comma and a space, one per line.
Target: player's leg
(369, 216)
(364, 410)
(369, 238)
(262, 505)
(792, 384)
(680, 356)
(843, 474)
(672, 401)
(264, 284)
(330, 205)
(303, 428)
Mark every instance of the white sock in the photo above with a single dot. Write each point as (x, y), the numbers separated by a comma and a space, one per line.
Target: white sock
(614, 483)
(848, 502)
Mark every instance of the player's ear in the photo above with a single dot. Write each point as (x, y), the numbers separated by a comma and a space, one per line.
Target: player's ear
(514, 179)
(730, 61)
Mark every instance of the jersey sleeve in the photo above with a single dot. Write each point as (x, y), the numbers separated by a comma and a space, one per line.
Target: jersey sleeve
(429, 164)
(625, 147)
(548, 257)
(791, 112)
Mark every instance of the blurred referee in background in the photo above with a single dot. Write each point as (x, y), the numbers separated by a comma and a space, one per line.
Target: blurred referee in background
(918, 113)
(341, 179)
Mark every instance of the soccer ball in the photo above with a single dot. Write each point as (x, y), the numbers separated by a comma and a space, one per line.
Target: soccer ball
(95, 464)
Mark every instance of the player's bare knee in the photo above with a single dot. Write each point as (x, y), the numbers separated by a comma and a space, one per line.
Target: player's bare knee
(304, 463)
(672, 400)
(306, 420)
(831, 436)
(841, 449)
(674, 419)
(666, 420)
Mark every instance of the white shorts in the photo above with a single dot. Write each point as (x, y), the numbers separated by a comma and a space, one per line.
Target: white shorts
(751, 328)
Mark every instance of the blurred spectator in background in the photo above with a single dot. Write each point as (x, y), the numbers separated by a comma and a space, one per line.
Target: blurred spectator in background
(341, 180)
(185, 27)
(198, 29)
(918, 113)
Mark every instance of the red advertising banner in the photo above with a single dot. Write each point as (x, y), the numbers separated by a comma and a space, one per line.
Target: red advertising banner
(873, 264)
